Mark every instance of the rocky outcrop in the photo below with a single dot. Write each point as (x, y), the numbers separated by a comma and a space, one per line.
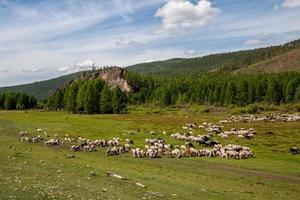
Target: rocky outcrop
(113, 76)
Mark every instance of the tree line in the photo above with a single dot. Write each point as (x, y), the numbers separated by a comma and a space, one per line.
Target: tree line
(17, 101)
(88, 96)
(220, 89)
(216, 89)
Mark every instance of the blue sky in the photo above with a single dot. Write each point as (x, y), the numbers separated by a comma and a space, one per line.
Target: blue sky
(44, 39)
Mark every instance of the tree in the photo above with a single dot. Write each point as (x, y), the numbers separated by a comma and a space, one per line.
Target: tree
(273, 94)
(119, 100)
(230, 93)
(105, 102)
(90, 102)
(242, 92)
(291, 89)
(71, 97)
(81, 97)
(2, 99)
(297, 94)
(10, 101)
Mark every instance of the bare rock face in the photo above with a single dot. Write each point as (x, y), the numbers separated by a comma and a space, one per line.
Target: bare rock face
(113, 76)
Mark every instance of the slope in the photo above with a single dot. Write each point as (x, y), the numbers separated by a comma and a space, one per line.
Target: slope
(226, 61)
(42, 89)
(289, 61)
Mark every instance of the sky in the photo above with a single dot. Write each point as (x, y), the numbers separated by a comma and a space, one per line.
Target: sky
(42, 39)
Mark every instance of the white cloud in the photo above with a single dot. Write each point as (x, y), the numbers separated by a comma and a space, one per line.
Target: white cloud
(253, 42)
(290, 3)
(34, 70)
(84, 65)
(190, 52)
(182, 14)
(4, 70)
(127, 42)
(63, 69)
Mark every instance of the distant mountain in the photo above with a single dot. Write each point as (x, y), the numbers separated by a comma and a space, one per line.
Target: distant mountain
(231, 61)
(42, 89)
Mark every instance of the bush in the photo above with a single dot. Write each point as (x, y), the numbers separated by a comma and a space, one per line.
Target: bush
(252, 109)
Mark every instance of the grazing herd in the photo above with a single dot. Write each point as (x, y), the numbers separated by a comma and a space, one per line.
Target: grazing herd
(157, 147)
(259, 118)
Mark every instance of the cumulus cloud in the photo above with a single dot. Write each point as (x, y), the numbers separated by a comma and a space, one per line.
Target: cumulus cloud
(182, 14)
(127, 42)
(290, 3)
(80, 66)
(84, 65)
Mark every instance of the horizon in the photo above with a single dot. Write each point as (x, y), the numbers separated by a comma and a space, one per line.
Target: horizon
(41, 40)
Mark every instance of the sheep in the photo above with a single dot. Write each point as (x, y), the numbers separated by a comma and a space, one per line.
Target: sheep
(128, 141)
(23, 133)
(294, 150)
(52, 142)
(258, 118)
(137, 153)
(75, 148)
(153, 133)
(113, 151)
(176, 153)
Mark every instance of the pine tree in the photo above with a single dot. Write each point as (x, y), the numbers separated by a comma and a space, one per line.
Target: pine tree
(81, 98)
(297, 94)
(242, 92)
(230, 93)
(10, 101)
(90, 99)
(2, 99)
(71, 97)
(273, 93)
(119, 100)
(291, 89)
(105, 102)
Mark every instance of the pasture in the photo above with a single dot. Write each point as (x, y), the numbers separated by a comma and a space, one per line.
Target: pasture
(33, 171)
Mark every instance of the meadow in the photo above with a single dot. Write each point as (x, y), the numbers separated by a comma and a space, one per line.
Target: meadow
(32, 171)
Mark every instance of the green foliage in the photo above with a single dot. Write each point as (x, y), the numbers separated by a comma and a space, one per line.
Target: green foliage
(119, 100)
(71, 95)
(215, 89)
(105, 103)
(17, 101)
(88, 96)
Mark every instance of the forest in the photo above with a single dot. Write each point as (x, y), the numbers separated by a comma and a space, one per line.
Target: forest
(89, 96)
(220, 89)
(17, 101)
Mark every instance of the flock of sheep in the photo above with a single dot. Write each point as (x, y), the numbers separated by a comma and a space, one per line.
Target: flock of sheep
(157, 147)
(258, 118)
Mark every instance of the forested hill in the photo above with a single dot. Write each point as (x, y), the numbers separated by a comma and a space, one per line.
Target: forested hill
(270, 59)
(231, 61)
(42, 89)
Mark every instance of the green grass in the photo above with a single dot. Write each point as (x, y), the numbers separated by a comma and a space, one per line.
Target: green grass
(273, 174)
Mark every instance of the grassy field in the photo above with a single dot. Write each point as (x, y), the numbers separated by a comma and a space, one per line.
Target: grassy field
(32, 171)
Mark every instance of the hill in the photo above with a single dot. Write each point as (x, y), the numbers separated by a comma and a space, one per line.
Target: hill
(42, 89)
(231, 61)
(289, 61)
(284, 57)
